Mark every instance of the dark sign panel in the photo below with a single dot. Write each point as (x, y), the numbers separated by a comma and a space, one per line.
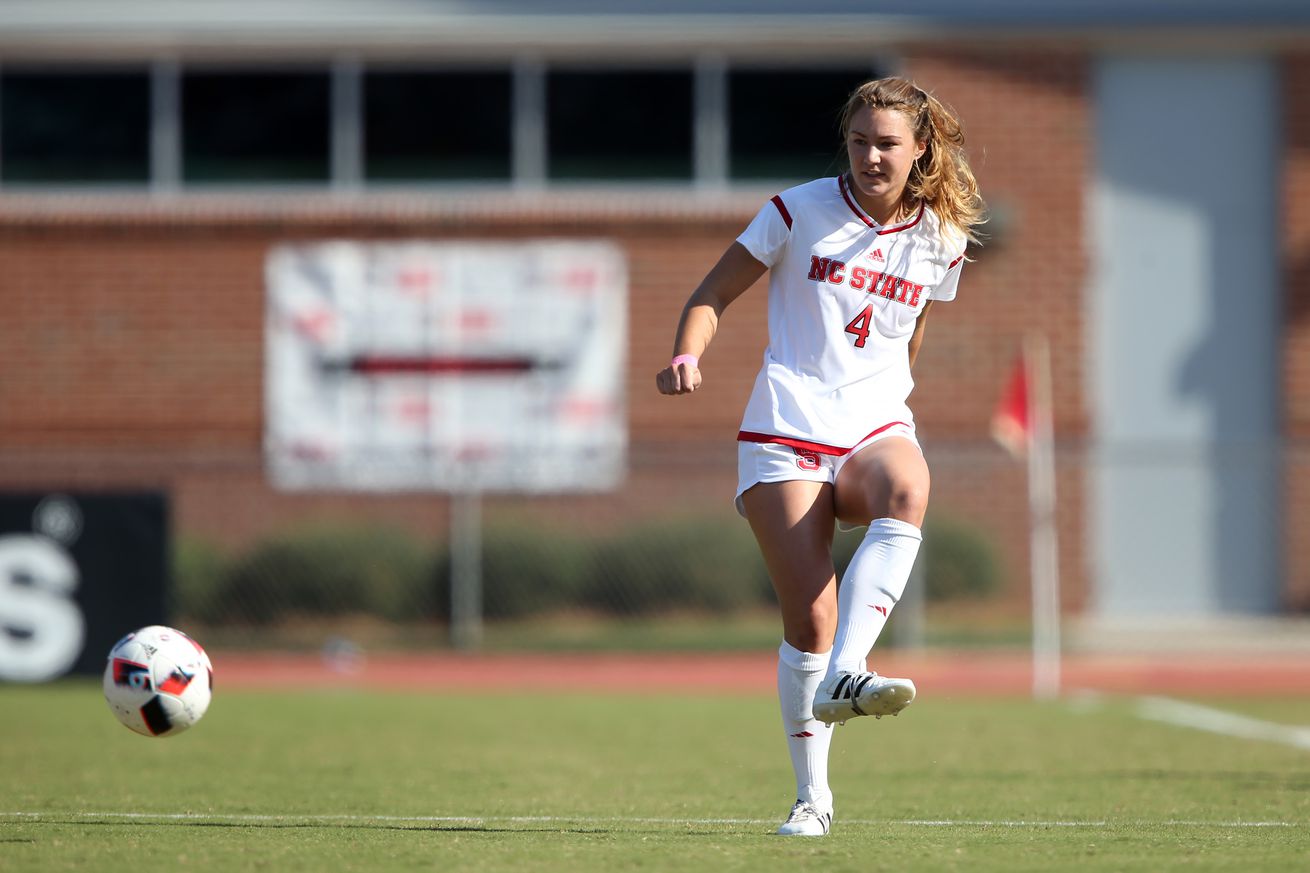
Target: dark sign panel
(77, 572)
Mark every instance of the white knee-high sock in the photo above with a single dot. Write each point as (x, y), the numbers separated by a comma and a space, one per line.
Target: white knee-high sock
(808, 739)
(870, 589)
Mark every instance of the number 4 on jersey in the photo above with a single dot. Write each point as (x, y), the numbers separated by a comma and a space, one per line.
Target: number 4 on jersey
(859, 326)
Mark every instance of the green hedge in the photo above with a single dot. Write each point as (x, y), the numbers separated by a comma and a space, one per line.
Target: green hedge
(322, 571)
(691, 564)
(527, 570)
(686, 565)
(956, 560)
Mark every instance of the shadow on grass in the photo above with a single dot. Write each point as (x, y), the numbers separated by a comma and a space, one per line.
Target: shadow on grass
(453, 827)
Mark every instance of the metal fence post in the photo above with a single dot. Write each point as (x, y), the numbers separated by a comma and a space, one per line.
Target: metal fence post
(466, 569)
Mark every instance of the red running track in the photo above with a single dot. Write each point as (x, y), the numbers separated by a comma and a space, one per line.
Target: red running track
(940, 673)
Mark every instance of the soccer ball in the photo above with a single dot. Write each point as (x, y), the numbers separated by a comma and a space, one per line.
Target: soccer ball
(158, 681)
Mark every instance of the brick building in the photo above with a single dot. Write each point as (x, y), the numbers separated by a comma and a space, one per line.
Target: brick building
(131, 347)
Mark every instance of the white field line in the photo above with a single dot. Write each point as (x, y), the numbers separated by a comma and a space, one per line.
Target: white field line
(1216, 721)
(255, 819)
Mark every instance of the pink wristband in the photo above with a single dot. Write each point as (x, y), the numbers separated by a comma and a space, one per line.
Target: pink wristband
(685, 359)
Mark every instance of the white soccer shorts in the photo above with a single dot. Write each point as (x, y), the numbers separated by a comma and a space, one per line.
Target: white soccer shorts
(775, 462)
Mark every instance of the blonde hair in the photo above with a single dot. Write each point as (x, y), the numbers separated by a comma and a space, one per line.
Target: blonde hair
(940, 178)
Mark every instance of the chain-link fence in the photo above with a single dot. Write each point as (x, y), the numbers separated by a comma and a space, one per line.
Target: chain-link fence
(691, 581)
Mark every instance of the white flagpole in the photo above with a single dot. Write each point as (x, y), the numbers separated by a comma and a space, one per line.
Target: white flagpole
(1043, 550)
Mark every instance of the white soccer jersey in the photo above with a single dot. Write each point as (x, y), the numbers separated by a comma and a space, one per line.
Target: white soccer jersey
(844, 294)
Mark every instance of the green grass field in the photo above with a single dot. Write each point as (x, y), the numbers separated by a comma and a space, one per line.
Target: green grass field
(347, 780)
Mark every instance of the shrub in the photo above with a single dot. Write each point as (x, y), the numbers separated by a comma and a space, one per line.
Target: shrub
(330, 571)
(706, 564)
(689, 564)
(527, 570)
(958, 560)
(198, 568)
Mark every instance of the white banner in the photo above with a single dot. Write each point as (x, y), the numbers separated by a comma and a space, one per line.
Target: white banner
(464, 366)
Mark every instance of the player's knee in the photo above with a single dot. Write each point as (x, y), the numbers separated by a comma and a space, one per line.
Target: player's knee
(908, 499)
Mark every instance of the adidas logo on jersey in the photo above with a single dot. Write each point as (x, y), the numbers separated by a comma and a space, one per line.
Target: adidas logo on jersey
(877, 256)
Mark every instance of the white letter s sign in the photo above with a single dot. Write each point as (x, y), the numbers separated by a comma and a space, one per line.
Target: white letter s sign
(41, 628)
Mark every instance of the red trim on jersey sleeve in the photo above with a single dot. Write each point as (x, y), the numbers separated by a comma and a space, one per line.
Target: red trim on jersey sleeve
(863, 216)
(782, 209)
(954, 262)
(748, 436)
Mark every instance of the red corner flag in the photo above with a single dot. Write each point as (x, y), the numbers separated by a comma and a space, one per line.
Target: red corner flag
(1012, 426)
(1022, 423)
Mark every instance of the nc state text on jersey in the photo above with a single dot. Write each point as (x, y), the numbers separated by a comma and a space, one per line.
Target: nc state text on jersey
(882, 284)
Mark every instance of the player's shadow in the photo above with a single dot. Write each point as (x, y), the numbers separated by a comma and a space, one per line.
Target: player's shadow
(453, 827)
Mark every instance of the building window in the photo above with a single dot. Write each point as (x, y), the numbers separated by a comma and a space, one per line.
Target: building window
(255, 127)
(619, 124)
(437, 126)
(525, 124)
(75, 127)
(783, 124)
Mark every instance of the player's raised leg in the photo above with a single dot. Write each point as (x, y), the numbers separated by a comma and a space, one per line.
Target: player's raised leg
(885, 485)
(793, 523)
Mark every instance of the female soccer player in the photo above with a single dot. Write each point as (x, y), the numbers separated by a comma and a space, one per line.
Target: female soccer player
(855, 263)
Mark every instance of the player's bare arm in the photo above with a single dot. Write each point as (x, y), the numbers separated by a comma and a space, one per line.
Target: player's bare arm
(736, 271)
(916, 338)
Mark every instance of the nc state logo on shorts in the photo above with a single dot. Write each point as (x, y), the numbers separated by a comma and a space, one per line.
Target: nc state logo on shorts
(806, 460)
